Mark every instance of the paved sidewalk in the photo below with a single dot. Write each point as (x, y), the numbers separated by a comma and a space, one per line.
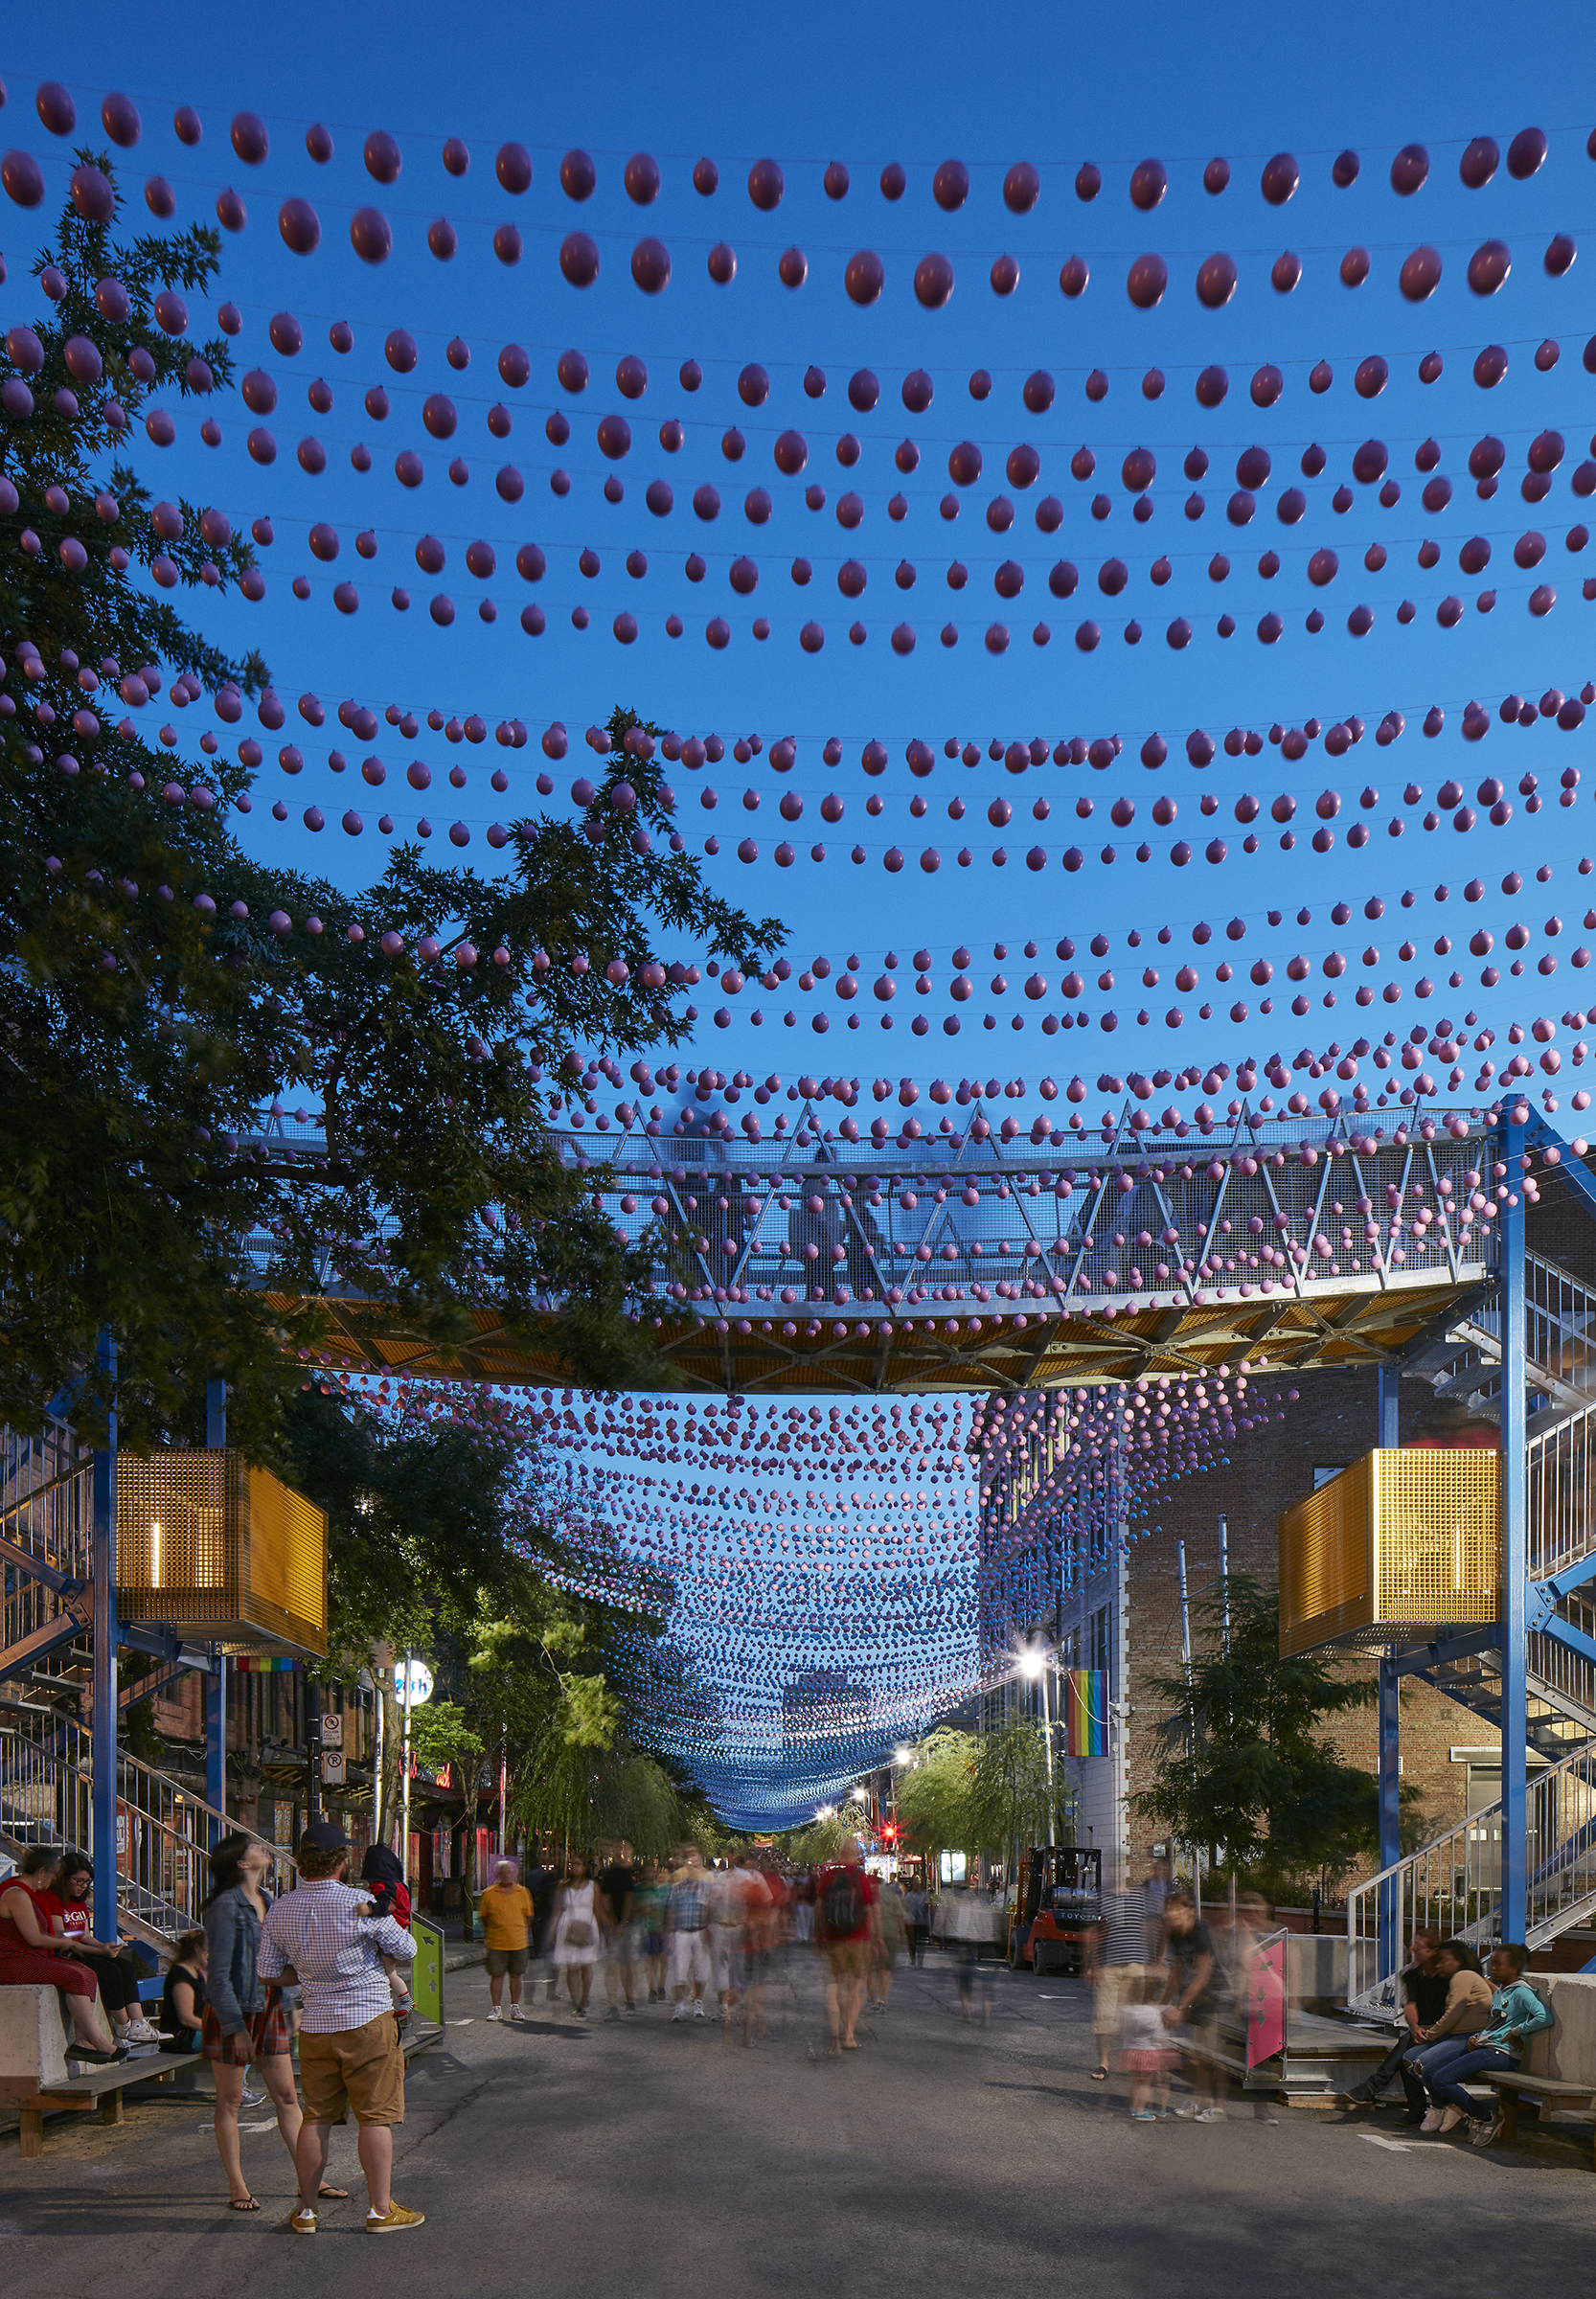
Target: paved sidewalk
(643, 2157)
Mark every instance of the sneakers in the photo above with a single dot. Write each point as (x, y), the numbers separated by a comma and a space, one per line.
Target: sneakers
(1432, 2120)
(516, 2015)
(393, 2219)
(140, 2031)
(496, 2012)
(1212, 2115)
(1484, 2130)
(614, 2012)
(1451, 2120)
(304, 2221)
(698, 2010)
(680, 2011)
(1144, 2115)
(1187, 2110)
(631, 2006)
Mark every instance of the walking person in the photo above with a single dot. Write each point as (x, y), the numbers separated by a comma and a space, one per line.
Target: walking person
(544, 1886)
(244, 2023)
(1146, 2053)
(917, 1907)
(506, 1912)
(969, 1926)
(350, 2054)
(648, 1907)
(1111, 1953)
(111, 1961)
(687, 1928)
(34, 1954)
(891, 1930)
(847, 1920)
(617, 1908)
(1195, 1994)
(576, 1938)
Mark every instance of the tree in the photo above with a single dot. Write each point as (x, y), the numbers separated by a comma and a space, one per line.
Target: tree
(1008, 1796)
(1243, 1761)
(935, 1796)
(158, 987)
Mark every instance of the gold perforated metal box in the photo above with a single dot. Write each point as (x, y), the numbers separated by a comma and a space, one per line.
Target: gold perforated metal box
(221, 1552)
(1405, 1540)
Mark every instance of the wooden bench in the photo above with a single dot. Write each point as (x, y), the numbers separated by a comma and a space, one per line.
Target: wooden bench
(102, 2087)
(1558, 2068)
(33, 2074)
(1512, 2087)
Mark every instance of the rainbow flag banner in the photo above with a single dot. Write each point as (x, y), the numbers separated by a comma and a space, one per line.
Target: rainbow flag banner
(1086, 1712)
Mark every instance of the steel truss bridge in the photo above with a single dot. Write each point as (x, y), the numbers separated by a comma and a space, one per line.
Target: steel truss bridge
(962, 1260)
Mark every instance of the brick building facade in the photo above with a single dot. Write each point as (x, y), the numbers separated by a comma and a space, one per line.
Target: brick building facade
(1124, 1616)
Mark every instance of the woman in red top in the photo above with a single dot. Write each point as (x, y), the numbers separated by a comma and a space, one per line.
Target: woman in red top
(32, 1953)
(110, 1964)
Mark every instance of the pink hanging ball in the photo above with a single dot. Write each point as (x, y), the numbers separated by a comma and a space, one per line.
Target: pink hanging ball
(369, 236)
(318, 143)
(55, 108)
(119, 117)
(249, 137)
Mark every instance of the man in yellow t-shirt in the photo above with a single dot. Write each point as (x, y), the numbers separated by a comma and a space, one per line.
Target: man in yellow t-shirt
(506, 1912)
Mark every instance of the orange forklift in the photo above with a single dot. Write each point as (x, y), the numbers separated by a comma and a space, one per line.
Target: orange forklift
(1059, 1903)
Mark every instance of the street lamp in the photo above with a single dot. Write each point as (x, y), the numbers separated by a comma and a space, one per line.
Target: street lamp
(1035, 1662)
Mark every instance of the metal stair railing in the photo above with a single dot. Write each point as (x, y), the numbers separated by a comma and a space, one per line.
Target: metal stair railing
(46, 1520)
(1562, 1833)
(1455, 1883)
(163, 1831)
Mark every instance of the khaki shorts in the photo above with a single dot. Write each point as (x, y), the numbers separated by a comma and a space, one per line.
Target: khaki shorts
(849, 1958)
(362, 2068)
(500, 1960)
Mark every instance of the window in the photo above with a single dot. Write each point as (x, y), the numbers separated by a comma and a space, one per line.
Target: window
(1324, 1471)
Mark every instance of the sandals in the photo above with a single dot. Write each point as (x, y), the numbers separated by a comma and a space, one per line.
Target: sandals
(332, 2194)
(242, 2203)
(1100, 2075)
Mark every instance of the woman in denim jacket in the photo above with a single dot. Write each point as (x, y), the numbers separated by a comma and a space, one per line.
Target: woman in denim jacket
(246, 2022)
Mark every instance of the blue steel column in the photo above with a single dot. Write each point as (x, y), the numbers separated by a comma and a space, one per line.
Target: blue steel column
(102, 1786)
(1386, 1378)
(215, 1684)
(1515, 1564)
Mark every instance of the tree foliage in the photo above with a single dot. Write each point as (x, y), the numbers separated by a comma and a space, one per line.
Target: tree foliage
(979, 1793)
(158, 987)
(1243, 1763)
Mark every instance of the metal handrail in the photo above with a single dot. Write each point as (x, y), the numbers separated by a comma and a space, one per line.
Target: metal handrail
(1455, 1883)
(164, 1831)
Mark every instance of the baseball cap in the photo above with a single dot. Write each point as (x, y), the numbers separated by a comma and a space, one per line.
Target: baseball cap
(323, 1836)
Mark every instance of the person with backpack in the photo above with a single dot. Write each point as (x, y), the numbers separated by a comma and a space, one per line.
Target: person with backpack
(847, 1914)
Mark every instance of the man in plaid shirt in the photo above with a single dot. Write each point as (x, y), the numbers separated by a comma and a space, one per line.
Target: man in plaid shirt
(332, 1940)
(687, 1921)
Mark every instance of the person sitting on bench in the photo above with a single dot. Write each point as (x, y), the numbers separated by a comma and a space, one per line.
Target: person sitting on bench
(1514, 2015)
(32, 1954)
(1424, 2001)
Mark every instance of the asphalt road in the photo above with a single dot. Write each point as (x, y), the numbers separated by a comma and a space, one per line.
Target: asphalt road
(646, 2158)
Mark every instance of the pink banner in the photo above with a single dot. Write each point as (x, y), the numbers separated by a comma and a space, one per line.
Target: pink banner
(1266, 2003)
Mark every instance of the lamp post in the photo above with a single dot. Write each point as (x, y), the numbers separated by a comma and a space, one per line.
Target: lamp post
(1035, 1663)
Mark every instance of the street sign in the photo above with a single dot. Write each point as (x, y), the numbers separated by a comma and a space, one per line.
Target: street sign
(332, 1729)
(421, 1683)
(332, 1769)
